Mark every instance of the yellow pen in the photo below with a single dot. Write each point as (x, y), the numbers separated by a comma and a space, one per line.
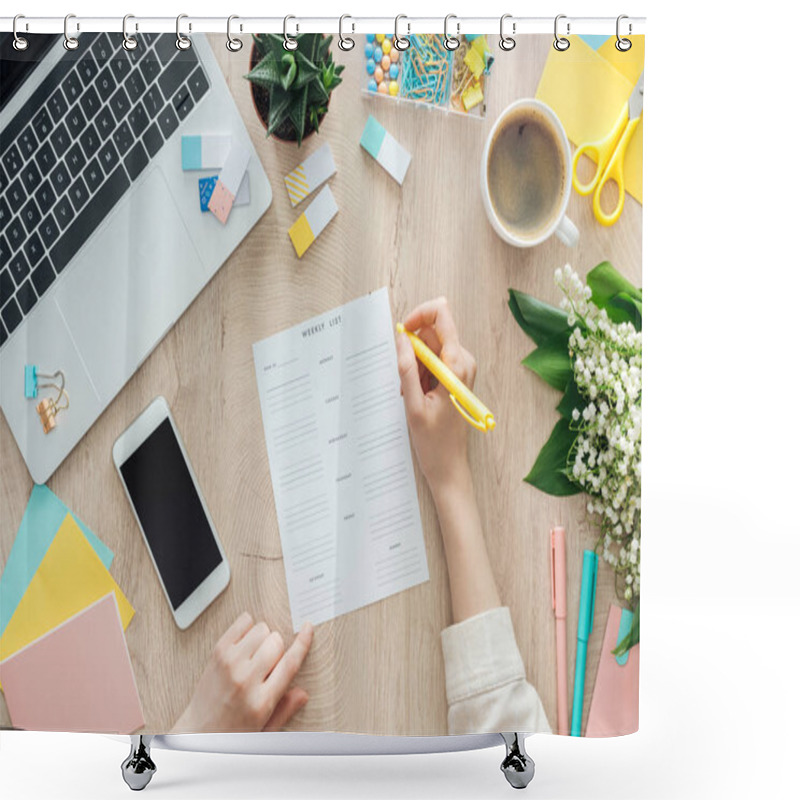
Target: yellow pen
(463, 399)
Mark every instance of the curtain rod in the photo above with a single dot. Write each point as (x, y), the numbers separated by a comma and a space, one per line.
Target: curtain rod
(301, 24)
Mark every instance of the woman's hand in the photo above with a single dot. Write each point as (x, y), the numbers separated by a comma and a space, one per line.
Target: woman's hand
(245, 686)
(437, 430)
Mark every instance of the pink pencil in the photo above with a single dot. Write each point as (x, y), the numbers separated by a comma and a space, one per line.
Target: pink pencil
(558, 576)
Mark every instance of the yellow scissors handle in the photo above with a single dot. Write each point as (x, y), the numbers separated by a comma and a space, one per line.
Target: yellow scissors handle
(613, 172)
(601, 151)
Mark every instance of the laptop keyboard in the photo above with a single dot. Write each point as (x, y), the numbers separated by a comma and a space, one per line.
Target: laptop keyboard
(75, 147)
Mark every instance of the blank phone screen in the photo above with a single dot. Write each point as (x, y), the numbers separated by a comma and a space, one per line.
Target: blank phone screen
(171, 514)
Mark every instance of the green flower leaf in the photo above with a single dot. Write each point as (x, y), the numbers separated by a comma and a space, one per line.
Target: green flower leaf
(572, 399)
(542, 322)
(605, 282)
(549, 471)
(629, 306)
(550, 361)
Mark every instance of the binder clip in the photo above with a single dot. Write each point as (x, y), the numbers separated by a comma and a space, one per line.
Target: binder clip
(48, 407)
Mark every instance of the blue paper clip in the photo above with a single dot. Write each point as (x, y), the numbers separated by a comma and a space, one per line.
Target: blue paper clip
(33, 376)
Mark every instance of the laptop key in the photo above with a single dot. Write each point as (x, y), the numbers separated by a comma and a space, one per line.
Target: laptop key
(101, 49)
(11, 314)
(72, 86)
(33, 249)
(60, 139)
(135, 85)
(87, 69)
(27, 142)
(90, 102)
(123, 138)
(6, 286)
(78, 193)
(26, 297)
(90, 141)
(57, 105)
(93, 174)
(120, 67)
(42, 124)
(153, 101)
(31, 215)
(5, 214)
(16, 194)
(31, 177)
(3, 179)
(105, 84)
(136, 161)
(43, 276)
(75, 159)
(45, 158)
(175, 74)
(183, 103)
(76, 122)
(138, 120)
(48, 230)
(60, 178)
(3, 334)
(168, 122)
(15, 233)
(45, 197)
(63, 212)
(108, 156)
(12, 160)
(94, 212)
(152, 139)
(198, 84)
(120, 104)
(151, 68)
(105, 123)
(165, 47)
(19, 268)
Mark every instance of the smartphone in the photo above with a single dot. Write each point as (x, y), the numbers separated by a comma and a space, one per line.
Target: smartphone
(171, 513)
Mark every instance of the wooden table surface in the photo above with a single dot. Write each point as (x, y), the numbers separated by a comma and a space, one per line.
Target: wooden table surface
(379, 669)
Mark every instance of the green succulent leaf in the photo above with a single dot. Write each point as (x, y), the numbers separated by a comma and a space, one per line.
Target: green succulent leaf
(549, 471)
(265, 74)
(542, 322)
(297, 115)
(551, 363)
(279, 103)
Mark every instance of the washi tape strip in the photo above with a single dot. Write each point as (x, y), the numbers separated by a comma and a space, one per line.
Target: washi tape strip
(313, 172)
(230, 179)
(310, 225)
(207, 151)
(385, 149)
(206, 188)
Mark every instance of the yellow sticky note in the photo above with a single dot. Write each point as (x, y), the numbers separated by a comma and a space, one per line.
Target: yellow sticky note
(587, 92)
(70, 578)
(301, 235)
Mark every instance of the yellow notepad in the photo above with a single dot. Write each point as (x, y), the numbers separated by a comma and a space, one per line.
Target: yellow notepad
(588, 88)
(70, 578)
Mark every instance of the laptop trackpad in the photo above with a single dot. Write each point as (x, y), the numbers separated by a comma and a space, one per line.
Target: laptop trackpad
(135, 278)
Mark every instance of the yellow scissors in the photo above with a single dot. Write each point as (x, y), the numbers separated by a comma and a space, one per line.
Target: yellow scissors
(609, 153)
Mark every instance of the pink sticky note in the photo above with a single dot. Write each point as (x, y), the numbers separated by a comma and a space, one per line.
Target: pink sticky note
(615, 700)
(77, 677)
(229, 181)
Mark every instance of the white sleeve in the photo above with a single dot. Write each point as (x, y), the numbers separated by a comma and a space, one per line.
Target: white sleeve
(487, 691)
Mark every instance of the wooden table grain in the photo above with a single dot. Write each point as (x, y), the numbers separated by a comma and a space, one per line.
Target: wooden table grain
(377, 670)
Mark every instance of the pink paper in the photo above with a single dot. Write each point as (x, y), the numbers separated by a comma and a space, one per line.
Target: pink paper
(615, 700)
(77, 677)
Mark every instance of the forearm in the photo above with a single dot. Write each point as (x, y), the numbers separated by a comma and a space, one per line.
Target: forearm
(472, 586)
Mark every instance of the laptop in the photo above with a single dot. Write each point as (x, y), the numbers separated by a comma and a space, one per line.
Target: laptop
(102, 241)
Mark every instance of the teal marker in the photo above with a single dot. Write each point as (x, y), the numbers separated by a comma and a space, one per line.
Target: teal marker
(585, 623)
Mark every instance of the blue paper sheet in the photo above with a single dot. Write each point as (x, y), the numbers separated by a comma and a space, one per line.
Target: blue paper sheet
(40, 523)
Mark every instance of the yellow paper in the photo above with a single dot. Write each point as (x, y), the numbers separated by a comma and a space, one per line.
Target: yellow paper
(70, 578)
(588, 88)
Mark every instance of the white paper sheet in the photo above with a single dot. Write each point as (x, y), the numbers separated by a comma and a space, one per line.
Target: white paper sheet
(340, 460)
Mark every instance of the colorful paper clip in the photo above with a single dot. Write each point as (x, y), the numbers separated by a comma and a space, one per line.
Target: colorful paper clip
(48, 408)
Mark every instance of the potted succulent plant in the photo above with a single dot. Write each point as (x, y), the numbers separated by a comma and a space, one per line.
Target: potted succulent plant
(291, 89)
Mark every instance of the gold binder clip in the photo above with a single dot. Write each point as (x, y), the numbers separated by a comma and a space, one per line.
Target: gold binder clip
(49, 408)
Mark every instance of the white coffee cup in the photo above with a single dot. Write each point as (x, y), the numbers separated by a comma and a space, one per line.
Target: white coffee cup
(559, 224)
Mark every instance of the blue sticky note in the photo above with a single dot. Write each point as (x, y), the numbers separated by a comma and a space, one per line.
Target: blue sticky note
(595, 41)
(372, 138)
(40, 523)
(206, 187)
(191, 152)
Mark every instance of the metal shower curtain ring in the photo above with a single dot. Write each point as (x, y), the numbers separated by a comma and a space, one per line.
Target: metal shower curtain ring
(128, 41)
(401, 42)
(507, 42)
(234, 44)
(451, 42)
(560, 43)
(70, 42)
(182, 42)
(345, 42)
(20, 42)
(289, 42)
(622, 44)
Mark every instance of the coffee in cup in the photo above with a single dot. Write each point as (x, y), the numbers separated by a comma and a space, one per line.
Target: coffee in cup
(525, 176)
